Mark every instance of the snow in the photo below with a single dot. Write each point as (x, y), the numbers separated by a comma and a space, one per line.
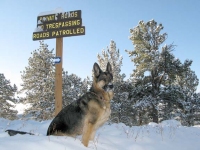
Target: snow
(57, 10)
(38, 29)
(168, 135)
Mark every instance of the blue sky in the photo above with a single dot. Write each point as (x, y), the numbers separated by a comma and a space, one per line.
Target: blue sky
(104, 20)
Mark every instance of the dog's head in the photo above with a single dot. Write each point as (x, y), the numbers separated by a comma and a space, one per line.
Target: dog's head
(103, 80)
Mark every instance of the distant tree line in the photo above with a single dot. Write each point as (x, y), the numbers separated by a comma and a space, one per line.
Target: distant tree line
(7, 93)
(161, 87)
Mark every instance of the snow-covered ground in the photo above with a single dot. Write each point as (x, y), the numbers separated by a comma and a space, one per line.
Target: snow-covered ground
(168, 135)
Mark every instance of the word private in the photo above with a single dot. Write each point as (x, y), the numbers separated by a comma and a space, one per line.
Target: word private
(59, 16)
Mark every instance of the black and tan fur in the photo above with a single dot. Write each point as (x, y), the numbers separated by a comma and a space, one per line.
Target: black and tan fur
(89, 112)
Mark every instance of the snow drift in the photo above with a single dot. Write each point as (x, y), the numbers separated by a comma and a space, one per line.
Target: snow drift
(168, 135)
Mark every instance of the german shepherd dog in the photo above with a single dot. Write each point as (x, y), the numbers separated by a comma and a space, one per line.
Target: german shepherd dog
(85, 115)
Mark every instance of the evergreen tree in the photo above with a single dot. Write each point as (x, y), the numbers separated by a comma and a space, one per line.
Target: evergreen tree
(7, 92)
(195, 109)
(73, 87)
(112, 55)
(121, 105)
(157, 71)
(187, 78)
(38, 83)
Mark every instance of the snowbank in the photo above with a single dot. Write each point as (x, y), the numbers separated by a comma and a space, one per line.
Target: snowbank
(168, 135)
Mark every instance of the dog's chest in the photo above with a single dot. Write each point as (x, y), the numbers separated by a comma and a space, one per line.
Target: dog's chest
(106, 113)
(103, 117)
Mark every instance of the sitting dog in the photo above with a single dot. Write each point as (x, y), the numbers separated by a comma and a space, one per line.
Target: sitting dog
(85, 115)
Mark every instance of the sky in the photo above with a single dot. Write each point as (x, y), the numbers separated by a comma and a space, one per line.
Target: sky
(104, 20)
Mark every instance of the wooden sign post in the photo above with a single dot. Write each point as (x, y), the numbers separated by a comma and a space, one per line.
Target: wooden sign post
(57, 26)
(58, 79)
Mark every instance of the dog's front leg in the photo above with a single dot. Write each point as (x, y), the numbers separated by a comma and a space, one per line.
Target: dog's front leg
(88, 130)
(92, 135)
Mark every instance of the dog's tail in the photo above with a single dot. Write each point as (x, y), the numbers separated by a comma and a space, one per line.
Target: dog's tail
(14, 132)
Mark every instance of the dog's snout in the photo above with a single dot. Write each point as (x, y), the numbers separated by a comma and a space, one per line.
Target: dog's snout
(108, 87)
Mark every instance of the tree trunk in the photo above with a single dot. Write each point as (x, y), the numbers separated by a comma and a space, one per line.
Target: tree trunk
(155, 115)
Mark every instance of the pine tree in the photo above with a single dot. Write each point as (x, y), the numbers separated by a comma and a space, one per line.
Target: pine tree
(187, 78)
(195, 108)
(7, 92)
(38, 83)
(73, 87)
(157, 70)
(113, 56)
(121, 104)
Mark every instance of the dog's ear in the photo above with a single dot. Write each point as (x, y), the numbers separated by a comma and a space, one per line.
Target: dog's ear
(109, 68)
(96, 69)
